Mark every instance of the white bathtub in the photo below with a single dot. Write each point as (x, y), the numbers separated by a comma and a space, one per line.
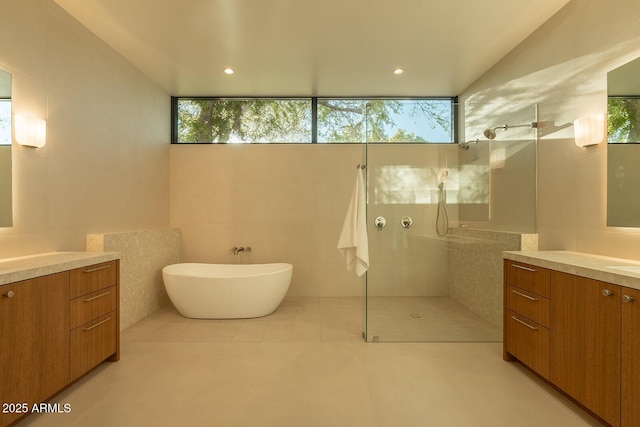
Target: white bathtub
(226, 291)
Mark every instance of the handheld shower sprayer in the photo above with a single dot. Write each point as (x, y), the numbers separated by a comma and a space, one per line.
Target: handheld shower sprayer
(442, 218)
(442, 177)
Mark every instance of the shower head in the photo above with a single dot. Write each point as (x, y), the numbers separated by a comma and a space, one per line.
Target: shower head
(464, 146)
(491, 133)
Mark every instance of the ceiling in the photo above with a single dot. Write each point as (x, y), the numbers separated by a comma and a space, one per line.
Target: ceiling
(313, 48)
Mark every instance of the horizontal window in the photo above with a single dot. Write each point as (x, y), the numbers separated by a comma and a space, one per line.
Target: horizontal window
(243, 120)
(306, 120)
(385, 120)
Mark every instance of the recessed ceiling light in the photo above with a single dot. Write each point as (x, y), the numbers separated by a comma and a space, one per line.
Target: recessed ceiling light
(228, 70)
(398, 71)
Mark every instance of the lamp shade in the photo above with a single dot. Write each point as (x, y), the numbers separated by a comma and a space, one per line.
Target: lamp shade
(30, 131)
(589, 130)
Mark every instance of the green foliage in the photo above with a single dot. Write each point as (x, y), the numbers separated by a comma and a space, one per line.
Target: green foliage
(289, 120)
(346, 120)
(402, 136)
(623, 120)
(231, 120)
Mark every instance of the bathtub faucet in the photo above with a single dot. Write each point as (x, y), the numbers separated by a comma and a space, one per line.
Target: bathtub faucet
(237, 249)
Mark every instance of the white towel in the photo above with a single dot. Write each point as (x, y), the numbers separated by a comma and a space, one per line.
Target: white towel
(353, 243)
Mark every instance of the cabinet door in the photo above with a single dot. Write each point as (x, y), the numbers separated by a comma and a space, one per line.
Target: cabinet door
(630, 358)
(585, 342)
(34, 340)
(567, 334)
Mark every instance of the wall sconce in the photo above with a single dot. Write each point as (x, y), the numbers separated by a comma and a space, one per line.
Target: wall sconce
(589, 130)
(30, 131)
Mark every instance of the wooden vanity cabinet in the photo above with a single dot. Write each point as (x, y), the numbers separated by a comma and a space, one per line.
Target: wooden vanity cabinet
(34, 343)
(593, 343)
(53, 330)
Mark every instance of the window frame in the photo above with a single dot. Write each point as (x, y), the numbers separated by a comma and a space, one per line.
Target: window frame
(314, 115)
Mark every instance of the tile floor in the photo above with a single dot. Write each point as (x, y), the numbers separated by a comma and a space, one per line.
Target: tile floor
(303, 366)
(425, 319)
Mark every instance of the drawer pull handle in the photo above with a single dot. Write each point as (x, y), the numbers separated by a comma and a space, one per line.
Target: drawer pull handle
(524, 323)
(91, 270)
(97, 296)
(522, 267)
(9, 294)
(97, 324)
(525, 296)
(607, 292)
(627, 298)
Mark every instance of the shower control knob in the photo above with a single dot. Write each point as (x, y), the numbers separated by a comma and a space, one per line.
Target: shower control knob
(406, 222)
(380, 222)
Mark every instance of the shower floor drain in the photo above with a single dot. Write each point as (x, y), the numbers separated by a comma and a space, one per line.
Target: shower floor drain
(415, 316)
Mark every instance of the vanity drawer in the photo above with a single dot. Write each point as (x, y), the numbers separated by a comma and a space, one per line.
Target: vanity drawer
(92, 343)
(528, 341)
(528, 277)
(91, 306)
(93, 278)
(529, 305)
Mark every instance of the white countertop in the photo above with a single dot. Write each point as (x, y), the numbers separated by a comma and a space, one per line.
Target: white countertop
(28, 267)
(585, 265)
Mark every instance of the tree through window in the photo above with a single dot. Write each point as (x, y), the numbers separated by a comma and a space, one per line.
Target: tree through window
(336, 120)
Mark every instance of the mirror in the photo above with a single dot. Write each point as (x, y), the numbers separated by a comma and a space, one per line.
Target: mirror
(5, 149)
(623, 145)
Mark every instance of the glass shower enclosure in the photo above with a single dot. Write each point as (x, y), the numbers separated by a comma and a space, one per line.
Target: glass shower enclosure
(428, 278)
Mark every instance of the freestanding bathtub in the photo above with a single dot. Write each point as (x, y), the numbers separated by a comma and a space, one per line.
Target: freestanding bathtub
(226, 291)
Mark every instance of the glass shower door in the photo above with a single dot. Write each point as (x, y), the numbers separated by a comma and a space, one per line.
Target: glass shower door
(406, 284)
(425, 286)
(409, 294)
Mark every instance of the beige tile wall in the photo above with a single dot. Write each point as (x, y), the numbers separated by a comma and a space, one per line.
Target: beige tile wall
(105, 165)
(288, 203)
(562, 67)
(285, 201)
(403, 180)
